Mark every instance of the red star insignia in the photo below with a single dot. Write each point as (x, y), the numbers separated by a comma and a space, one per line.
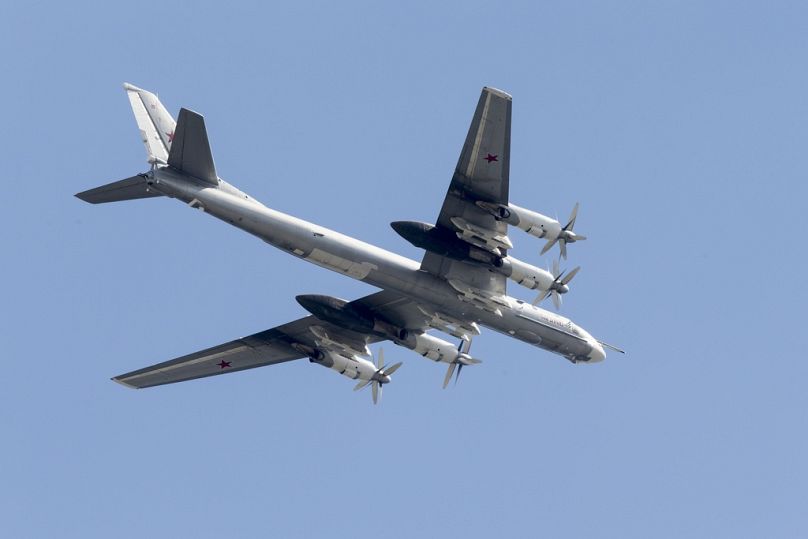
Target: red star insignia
(490, 157)
(170, 136)
(224, 364)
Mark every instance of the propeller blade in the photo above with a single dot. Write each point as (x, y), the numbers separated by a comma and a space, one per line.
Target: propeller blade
(380, 360)
(361, 385)
(556, 300)
(457, 376)
(449, 374)
(548, 245)
(567, 278)
(540, 298)
(390, 370)
(377, 389)
(563, 244)
(573, 217)
(465, 346)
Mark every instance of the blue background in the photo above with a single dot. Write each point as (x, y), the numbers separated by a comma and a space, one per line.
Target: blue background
(679, 126)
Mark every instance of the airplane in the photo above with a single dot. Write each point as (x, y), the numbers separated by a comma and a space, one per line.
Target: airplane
(458, 286)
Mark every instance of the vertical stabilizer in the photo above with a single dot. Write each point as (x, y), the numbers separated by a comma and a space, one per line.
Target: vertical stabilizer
(155, 123)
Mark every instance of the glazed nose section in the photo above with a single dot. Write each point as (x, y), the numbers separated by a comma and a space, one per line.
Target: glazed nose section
(597, 353)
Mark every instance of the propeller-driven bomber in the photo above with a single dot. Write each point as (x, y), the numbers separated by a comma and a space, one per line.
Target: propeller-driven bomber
(459, 285)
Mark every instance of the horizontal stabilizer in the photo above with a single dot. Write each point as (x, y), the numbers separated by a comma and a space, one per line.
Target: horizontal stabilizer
(190, 149)
(128, 189)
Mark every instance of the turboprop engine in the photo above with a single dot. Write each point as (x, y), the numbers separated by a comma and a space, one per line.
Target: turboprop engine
(446, 243)
(353, 365)
(439, 350)
(549, 284)
(350, 316)
(524, 274)
(537, 224)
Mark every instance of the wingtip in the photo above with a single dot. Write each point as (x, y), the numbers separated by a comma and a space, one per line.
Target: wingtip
(119, 381)
(83, 197)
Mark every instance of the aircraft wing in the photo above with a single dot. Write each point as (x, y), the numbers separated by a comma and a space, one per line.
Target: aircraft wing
(399, 310)
(275, 345)
(481, 175)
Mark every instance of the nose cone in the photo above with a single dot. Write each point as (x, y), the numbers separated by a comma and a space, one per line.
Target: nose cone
(597, 354)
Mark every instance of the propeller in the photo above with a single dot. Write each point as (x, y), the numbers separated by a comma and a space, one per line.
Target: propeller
(558, 286)
(565, 236)
(463, 358)
(379, 378)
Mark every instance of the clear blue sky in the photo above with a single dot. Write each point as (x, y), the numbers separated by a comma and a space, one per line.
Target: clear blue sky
(679, 126)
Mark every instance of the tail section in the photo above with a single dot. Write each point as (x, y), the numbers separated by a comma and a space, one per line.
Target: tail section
(128, 189)
(182, 145)
(190, 150)
(156, 125)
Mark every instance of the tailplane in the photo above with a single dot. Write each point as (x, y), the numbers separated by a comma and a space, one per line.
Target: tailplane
(128, 189)
(182, 145)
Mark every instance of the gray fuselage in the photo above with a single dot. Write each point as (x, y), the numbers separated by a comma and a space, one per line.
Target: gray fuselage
(376, 266)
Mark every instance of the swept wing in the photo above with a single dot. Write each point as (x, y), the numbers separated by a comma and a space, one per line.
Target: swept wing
(276, 345)
(481, 175)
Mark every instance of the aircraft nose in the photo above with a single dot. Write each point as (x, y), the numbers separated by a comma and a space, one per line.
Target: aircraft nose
(597, 353)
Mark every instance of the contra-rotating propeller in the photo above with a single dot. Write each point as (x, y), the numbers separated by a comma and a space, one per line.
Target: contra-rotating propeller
(463, 358)
(559, 285)
(566, 235)
(380, 377)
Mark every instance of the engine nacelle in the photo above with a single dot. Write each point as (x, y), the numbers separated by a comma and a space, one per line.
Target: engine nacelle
(535, 223)
(525, 274)
(530, 221)
(431, 347)
(352, 367)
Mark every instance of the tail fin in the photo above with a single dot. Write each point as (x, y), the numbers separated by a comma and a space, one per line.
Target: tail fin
(182, 145)
(155, 123)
